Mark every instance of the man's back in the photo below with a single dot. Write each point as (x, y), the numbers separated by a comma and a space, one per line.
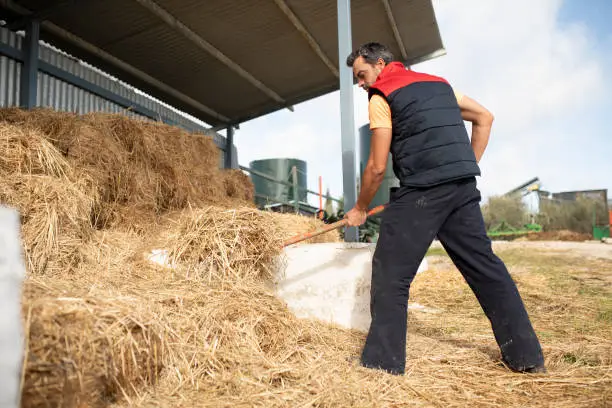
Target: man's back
(430, 143)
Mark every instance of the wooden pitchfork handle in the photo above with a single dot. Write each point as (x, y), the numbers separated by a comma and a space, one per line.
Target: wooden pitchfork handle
(327, 228)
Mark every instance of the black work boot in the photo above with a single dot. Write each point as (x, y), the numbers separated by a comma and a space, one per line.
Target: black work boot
(540, 369)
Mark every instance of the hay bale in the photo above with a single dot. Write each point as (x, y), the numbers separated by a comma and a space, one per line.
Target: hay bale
(139, 166)
(234, 244)
(58, 126)
(171, 168)
(55, 216)
(55, 202)
(26, 151)
(87, 350)
(238, 185)
(237, 330)
(99, 317)
(225, 244)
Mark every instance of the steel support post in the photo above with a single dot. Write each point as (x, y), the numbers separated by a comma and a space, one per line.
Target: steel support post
(29, 69)
(296, 199)
(229, 143)
(349, 178)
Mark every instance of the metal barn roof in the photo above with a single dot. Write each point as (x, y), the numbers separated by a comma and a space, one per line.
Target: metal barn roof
(227, 61)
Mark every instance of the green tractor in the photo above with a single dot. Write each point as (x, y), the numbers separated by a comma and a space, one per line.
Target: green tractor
(507, 232)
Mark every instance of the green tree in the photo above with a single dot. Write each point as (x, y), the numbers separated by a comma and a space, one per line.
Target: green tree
(574, 215)
(508, 209)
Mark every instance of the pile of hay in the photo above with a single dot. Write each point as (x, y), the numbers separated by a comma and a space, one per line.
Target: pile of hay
(94, 193)
(120, 322)
(107, 326)
(70, 174)
(229, 342)
(86, 348)
(140, 168)
(55, 200)
(238, 185)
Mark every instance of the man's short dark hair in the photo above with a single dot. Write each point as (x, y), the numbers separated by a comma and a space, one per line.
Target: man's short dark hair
(370, 52)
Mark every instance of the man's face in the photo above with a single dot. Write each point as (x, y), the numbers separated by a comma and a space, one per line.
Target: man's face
(365, 73)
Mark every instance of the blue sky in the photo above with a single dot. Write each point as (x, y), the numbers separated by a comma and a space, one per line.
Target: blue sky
(594, 148)
(595, 13)
(540, 66)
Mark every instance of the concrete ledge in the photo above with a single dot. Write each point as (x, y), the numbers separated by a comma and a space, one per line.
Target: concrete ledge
(12, 273)
(330, 282)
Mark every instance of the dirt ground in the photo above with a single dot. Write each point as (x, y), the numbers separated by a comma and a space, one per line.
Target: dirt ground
(593, 249)
(567, 290)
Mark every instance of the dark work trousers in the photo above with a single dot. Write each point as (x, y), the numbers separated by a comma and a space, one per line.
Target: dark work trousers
(409, 224)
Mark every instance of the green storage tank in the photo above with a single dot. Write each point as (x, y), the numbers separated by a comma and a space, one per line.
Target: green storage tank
(383, 194)
(280, 169)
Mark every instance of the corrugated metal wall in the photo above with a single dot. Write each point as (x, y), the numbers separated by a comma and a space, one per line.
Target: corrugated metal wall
(60, 95)
(9, 71)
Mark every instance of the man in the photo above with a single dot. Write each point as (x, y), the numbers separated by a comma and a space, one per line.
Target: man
(419, 119)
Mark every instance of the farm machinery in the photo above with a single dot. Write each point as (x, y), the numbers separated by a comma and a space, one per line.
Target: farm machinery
(505, 231)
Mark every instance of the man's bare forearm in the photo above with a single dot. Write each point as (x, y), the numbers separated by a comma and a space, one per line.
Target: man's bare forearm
(482, 121)
(372, 179)
(480, 139)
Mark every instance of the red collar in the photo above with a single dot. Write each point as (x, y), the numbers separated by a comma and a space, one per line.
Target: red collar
(391, 68)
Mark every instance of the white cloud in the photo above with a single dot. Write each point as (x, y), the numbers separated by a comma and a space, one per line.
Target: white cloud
(543, 82)
(532, 73)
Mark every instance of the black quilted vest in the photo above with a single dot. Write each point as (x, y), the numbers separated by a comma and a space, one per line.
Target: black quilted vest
(430, 144)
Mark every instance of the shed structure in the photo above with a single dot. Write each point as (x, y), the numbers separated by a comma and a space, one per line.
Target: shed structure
(226, 62)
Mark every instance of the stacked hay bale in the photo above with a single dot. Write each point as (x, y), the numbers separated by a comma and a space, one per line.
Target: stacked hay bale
(96, 193)
(138, 167)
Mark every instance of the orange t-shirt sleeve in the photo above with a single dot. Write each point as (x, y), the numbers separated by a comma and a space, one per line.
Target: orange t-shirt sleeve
(458, 95)
(379, 113)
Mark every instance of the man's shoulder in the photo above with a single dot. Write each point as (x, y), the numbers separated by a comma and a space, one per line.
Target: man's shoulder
(422, 77)
(377, 101)
(376, 98)
(404, 79)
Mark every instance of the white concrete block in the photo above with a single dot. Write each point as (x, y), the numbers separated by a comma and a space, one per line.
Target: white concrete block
(330, 282)
(12, 274)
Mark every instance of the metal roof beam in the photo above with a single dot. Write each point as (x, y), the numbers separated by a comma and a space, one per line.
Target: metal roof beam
(44, 13)
(418, 59)
(217, 128)
(205, 45)
(60, 32)
(306, 34)
(71, 38)
(398, 37)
